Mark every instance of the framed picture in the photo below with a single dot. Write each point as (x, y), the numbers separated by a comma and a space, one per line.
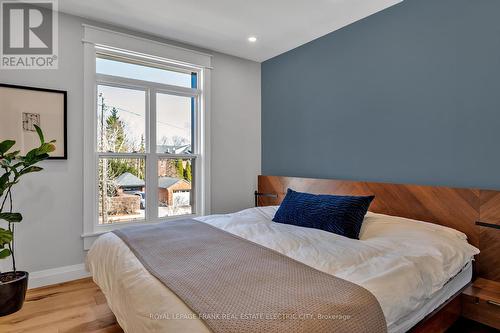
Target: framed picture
(23, 107)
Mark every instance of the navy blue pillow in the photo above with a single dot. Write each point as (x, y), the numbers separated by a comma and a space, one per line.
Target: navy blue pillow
(342, 215)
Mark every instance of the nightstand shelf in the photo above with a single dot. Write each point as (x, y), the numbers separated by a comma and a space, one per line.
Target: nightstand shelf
(481, 302)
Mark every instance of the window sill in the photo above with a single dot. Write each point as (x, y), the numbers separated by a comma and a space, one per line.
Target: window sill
(90, 237)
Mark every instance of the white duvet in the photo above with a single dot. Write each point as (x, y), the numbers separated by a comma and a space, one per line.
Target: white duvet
(401, 261)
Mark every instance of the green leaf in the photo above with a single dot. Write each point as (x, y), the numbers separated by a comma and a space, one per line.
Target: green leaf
(4, 182)
(40, 134)
(6, 145)
(29, 156)
(4, 253)
(16, 176)
(34, 156)
(31, 169)
(17, 165)
(45, 148)
(13, 154)
(11, 217)
(5, 236)
(4, 179)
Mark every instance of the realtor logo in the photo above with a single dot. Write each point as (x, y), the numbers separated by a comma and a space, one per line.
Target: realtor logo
(28, 34)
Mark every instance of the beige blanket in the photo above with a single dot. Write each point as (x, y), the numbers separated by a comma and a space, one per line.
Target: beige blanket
(235, 285)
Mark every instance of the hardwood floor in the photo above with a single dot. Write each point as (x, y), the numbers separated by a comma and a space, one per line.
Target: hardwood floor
(80, 307)
(74, 307)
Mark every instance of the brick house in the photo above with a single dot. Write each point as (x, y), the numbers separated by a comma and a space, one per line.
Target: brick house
(174, 191)
(171, 191)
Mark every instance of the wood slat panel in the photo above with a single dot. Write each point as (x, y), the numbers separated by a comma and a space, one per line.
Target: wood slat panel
(490, 207)
(489, 237)
(457, 208)
(488, 262)
(452, 207)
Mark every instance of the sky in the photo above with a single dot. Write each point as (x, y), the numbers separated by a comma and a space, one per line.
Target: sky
(174, 112)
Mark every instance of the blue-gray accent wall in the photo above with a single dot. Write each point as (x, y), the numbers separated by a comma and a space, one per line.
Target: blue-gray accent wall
(408, 95)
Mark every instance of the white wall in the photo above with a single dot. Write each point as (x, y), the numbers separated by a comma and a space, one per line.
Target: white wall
(235, 133)
(52, 201)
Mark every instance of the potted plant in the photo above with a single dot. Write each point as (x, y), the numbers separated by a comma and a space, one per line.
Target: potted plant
(13, 284)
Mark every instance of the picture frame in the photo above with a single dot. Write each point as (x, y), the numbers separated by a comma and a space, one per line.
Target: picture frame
(22, 107)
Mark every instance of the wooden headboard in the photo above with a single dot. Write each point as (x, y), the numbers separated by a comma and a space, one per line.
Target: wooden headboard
(475, 212)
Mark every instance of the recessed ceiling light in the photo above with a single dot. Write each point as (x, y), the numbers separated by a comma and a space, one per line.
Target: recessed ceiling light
(252, 39)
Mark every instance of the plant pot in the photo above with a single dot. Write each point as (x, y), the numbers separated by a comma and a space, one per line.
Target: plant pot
(13, 288)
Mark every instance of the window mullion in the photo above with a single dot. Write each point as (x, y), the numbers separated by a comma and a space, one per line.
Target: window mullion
(175, 156)
(106, 79)
(151, 160)
(120, 155)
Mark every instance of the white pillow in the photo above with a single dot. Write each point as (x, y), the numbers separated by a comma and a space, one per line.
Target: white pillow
(382, 218)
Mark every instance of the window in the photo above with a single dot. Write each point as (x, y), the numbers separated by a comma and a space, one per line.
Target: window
(146, 139)
(146, 131)
(125, 68)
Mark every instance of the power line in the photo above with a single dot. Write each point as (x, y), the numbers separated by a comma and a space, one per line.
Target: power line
(140, 115)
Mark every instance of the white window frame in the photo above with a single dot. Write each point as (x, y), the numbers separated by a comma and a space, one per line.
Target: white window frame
(109, 43)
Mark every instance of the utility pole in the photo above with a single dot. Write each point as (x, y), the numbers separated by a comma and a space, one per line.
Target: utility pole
(104, 187)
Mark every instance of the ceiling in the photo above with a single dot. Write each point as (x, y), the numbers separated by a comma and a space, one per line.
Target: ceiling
(225, 25)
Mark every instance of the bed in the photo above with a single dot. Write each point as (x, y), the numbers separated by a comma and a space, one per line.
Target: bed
(413, 268)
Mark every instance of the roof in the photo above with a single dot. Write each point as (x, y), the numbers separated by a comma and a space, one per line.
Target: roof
(128, 180)
(168, 149)
(166, 182)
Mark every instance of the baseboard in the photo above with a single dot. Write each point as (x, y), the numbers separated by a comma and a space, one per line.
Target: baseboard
(57, 275)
